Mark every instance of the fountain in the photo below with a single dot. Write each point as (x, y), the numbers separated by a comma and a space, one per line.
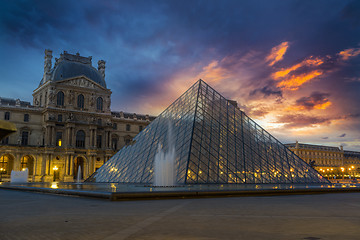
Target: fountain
(164, 163)
(78, 177)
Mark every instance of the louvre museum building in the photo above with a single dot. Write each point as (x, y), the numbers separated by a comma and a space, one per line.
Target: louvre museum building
(69, 126)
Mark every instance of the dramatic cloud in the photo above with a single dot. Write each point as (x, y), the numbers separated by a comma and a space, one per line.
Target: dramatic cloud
(270, 56)
(316, 100)
(307, 62)
(277, 53)
(301, 121)
(295, 81)
(348, 53)
(267, 91)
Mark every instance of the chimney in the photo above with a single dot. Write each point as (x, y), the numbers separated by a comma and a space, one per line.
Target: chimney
(101, 68)
(47, 64)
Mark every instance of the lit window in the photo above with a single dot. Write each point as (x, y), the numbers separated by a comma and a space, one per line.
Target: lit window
(99, 103)
(4, 164)
(58, 139)
(80, 101)
(26, 117)
(60, 99)
(7, 116)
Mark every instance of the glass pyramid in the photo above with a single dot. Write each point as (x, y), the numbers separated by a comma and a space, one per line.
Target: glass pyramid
(215, 142)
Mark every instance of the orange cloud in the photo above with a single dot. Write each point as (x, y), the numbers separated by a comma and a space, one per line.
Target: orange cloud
(213, 72)
(348, 53)
(307, 62)
(295, 81)
(321, 106)
(277, 53)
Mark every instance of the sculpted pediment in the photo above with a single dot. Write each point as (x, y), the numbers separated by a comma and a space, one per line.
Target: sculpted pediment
(82, 82)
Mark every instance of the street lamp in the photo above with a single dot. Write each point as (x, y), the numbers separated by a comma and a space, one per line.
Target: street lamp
(342, 170)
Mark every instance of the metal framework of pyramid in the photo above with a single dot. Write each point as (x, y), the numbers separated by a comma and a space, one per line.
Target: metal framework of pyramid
(215, 142)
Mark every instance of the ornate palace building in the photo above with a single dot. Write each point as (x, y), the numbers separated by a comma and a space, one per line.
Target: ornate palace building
(329, 161)
(69, 126)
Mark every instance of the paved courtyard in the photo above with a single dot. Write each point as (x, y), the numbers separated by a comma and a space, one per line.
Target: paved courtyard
(25, 215)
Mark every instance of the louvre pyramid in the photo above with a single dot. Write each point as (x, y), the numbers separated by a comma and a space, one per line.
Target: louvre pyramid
(215, 142)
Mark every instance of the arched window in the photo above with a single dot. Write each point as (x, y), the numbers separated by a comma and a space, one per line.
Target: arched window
(4, 160)
(26, 117)
(27, 162)
(80, 101)
(60, 99)
(80, 139)
(99, 103)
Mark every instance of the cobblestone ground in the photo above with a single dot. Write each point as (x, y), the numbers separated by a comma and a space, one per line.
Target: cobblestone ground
(25, 215)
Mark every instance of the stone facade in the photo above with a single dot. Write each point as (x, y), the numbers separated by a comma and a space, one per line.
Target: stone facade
(69, 124)
(329, 161)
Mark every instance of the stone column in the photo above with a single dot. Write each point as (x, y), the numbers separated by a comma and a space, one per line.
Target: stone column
(71, 160)
(43, 165)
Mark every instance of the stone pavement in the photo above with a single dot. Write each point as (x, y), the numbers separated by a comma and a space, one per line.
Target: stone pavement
(25, 215)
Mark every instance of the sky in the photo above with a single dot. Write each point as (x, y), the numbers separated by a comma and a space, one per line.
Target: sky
(293, 66)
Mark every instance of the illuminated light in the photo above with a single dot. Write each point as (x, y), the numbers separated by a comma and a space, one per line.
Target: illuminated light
(54, 185)
(320, 169)
(188, 171)
(352, 167)
(55, 168)
(200, 172)
(327, 169)
(113, 187)
(349, 169)
(291, 170)
(221, 172)
(332, 169)
(23, 169)
(277, 53)
(59, 143)
(151, 171)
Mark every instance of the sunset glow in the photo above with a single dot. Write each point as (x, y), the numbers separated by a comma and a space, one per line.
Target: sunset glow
(291, 66)
(277, 53)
